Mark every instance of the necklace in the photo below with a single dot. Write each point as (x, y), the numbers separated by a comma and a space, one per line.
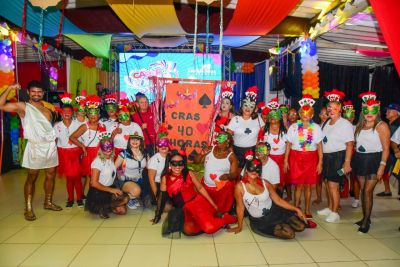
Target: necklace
(305, 141)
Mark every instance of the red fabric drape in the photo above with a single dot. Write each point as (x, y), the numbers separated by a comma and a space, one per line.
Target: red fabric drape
(258, 17)
(28, 71)
(387, 14)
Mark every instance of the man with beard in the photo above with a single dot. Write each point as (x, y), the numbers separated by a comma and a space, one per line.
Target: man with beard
(41, 151)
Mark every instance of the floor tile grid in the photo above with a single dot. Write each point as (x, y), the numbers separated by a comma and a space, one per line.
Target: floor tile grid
(26, 226)
(61, 227)
(87, 241)
(340, 241)
(22, 228)
(257, 243)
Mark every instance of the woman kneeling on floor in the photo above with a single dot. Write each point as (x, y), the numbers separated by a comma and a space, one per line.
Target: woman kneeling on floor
(102, 197)
(269, 214)
(194, 212)
(132, 176)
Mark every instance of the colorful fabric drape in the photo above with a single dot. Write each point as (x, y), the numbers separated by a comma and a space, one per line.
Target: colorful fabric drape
(88, 77)
(234, 41)
(258, 17)
(164, 42)
(156, 17)
(12, 11)
(387, 13)
(97, 45)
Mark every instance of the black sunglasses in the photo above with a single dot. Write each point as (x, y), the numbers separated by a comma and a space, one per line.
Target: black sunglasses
(177, 163)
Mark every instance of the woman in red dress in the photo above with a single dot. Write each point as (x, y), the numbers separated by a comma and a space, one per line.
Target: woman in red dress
(193, 212)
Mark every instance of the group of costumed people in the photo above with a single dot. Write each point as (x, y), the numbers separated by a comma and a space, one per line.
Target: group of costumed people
(256, 156)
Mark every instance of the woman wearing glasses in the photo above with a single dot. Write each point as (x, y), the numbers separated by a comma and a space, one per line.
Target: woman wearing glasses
(193, 212)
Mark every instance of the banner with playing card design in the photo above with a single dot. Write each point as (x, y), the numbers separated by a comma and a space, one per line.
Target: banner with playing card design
(188, 112)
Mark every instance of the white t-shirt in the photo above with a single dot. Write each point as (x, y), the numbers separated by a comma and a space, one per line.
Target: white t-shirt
(336, 136)
(157, 163)
(396, 136)
(293, 137)
(107, 170)
(277, 143)
(245, 132)
(63, 132)
(121, 140)
(269, 172)
(110, 124)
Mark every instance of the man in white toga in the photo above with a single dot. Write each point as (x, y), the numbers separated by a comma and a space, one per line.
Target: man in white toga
(41, 151)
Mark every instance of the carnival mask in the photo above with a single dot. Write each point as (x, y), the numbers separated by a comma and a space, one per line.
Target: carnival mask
(81, 108)
(306, 111)
(247, 103)
(275, 114)
(263, 150)
(163, 142)
(221, 138)
(67, 111)
(333, 108)
(284, 109)
(93, 111)
(107, 146)
(177, 163)
(254, 166)
(123, 116)
(111, 107)
(349, 113)
(367, 110)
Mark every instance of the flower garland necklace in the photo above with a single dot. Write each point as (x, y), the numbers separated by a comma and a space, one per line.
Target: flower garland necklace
(305, 143)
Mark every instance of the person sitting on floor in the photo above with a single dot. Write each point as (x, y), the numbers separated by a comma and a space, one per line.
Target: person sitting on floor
(102, 197)
(269, 214)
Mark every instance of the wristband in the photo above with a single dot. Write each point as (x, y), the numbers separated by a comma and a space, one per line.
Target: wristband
(382, 163)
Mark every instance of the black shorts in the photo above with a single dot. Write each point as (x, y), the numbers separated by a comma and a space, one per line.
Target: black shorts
(239, 152)
(331, 164)
(364, 164)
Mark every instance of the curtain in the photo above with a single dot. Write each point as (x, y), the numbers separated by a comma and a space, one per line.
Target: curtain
(245, 80)
(387, 13)
(88, 77)
(386, 83)
(28, 71)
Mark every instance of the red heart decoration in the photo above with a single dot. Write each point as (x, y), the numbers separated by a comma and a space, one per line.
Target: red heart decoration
(126, 137)
(275, 148)
(276, 140)
(213, 176)
(202, 127)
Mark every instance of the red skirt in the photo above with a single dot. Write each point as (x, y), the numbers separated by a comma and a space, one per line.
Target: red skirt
(68, 161)
(303, 167)
(87, 160)
(280, 160)
(224, 197)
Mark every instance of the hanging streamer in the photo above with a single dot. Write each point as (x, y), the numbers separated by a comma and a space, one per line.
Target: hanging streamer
(221, 26)
(58, 42)
(207, 28)
(41, 36)
(23, 26)
(196, 12)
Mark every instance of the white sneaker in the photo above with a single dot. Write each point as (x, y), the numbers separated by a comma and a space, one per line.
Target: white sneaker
(333, 217)
(324, 212)
(132, 204)
(356, 203)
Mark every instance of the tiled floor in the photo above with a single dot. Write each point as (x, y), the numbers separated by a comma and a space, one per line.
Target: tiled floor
(75, 238)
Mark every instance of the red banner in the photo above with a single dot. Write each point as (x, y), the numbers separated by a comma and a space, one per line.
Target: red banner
(258, 17)
(188, 108)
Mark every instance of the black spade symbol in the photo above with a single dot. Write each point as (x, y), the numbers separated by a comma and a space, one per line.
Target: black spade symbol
(204, 100)
(247, 131)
